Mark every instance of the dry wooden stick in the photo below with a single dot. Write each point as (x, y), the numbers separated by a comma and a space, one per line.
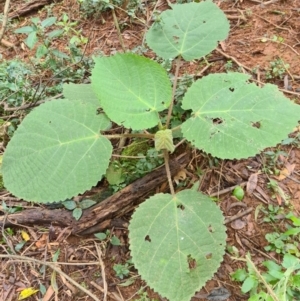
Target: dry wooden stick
(233, 59)
(232, 218)
(5, 18)
(99, 252)
(280, 43)
(118, 30)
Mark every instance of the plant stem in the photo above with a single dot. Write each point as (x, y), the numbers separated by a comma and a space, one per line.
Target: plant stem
(269, 289)
(137, 135)
(166, 157)
(118, 30)
(178, 65)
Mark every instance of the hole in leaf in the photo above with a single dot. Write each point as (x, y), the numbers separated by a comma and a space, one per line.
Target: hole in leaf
(217, 121)
(231, 89)
(162, 102)
(204, 22)
(176, 39)
(208, 256)
(99, 111)
(180, 206)
(256, 124)
(191, 262)
(210, 229)
(147, 238)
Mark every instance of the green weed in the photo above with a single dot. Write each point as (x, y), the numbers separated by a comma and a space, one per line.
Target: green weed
(280, 282)
(94, 7)
(277, 69)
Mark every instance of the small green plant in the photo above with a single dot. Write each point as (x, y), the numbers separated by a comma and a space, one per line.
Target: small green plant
(68, 28)
(92, 7)
(78, 207)
(15, 82)
(18, 82)
(46, 54)
(62, 148)
(122, 270)
(10, 210)
(278, 283)
(272, 165)
(288, 241)
(272, 213)
(143, 296)
(277, 69)
(228, 66)
(277, 192)
(38, 31)
(108, 237)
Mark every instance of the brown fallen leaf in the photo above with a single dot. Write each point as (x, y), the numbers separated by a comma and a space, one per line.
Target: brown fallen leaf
(181, 176)
(252, 183)
(41, 243)
(286, 171)
(238, 224)
(49, 293)
(223, 45)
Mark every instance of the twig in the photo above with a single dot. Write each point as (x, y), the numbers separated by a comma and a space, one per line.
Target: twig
(269, 289)
(282, 90)
(122, 142)
(290, 92)
(227, 189)
(99, 252)
(6, 43)
(281, 43)
(118, 30)
(260, 198)
(27, 106)
(170, 111)
(266, 20)
(137, 135)
(5, 18)
(54, 267)
(233, 218)
(264, 3)
(6, 239)
(111, 295)
(233, 59)
(270, 2)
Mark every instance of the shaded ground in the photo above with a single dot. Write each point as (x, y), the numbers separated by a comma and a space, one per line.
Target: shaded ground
(260, 34)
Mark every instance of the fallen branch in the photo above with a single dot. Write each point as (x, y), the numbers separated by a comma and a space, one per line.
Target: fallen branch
(29, 7)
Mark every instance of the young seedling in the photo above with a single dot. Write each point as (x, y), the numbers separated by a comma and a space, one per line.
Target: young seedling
(177, 241)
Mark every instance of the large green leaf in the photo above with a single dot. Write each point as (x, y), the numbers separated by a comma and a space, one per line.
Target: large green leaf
(177, 242)
(191, 30)
(57, 152)
(235, 119)
(83, 92)
(132, 89)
